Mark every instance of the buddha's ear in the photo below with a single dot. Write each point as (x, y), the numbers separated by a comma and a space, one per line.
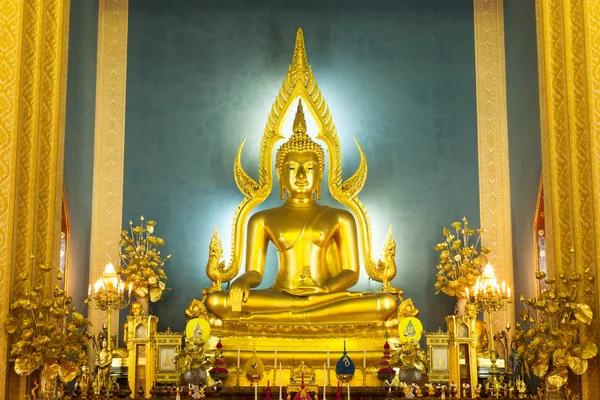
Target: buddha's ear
(281, 188)
(318, 192)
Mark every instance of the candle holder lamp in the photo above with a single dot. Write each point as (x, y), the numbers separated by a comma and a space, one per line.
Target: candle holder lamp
(489, 296)
(109, 295)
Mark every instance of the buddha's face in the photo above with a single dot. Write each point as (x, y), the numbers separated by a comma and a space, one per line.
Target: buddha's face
(300, 174)
(135, 309)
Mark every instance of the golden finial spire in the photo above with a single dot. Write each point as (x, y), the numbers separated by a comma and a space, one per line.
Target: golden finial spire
(299, 67)
(299, 121)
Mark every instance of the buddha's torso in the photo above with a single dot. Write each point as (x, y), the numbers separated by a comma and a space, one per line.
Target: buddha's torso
(302, 237)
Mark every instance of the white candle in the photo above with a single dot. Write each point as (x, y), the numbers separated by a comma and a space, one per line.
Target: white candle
(365, 359)
(256, 391)
(238, 364)
(280, 382)
(324, 379)
(328, 358)
(275, 361)
(508, 292)
(467, 290)
(348, 391)
(89, 290)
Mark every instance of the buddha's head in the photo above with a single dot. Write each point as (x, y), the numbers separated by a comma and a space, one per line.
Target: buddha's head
(300, 162)
(135, 309)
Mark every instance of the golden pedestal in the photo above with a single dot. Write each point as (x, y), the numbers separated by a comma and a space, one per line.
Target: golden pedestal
(141, 346)
(310, 345)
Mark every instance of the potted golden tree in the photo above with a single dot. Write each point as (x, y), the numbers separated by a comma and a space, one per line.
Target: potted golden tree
(411, 360)
(48, 336)
(555, 335)
(462, 258)
(142, 264)
(194, 360)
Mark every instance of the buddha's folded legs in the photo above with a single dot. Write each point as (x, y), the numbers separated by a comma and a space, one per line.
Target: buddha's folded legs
(264, 306)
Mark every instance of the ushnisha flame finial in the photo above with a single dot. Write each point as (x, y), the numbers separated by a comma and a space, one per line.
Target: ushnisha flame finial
(299, 120)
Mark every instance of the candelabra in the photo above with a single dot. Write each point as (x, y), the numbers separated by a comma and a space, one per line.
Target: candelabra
(488, 296)
(109, 296)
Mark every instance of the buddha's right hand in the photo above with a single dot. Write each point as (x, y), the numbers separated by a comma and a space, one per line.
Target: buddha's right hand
(238, 292)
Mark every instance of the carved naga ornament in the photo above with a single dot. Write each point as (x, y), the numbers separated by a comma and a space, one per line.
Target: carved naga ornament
(299, 83)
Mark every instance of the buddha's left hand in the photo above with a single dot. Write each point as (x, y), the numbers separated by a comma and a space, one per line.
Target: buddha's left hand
(308, 290)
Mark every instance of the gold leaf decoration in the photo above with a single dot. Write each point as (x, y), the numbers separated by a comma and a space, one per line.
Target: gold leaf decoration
(540, 368)
(577, 365)
(552, 323)
(67, 371)
(461, 259)
(559, 358)
(586, 350)
(45, 267)
(50, 369)
(46, 332)
(583, 313)
(142, 264)
(24, 366)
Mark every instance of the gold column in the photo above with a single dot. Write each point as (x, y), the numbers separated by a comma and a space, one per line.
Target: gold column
(568, 33)
(492, 136)
(109, 142)
(33, 50)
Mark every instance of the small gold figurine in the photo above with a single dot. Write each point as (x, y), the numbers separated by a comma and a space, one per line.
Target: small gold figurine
(84, 380)
(103, 363)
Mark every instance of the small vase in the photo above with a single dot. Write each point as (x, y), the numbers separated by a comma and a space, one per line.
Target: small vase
(196, 376)
(48, 386)
(410, 376)
(145, 302)
(461, 304)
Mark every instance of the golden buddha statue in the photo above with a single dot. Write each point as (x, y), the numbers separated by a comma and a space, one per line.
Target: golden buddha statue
(321, 250)
(135, 310)
(481, 331)
(318, 252)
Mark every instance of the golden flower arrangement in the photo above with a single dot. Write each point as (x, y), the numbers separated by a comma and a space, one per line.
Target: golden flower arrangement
(409, 355)
(194, 355)
(461, 260)
(47, 335)
(551, 337)
(141, 261)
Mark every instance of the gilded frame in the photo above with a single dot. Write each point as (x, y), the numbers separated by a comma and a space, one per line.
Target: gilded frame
(437, 346)
(168, 344)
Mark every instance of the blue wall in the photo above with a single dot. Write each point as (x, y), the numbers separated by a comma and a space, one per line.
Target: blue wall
(523, 136)
(398, 75)
(79, 140)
